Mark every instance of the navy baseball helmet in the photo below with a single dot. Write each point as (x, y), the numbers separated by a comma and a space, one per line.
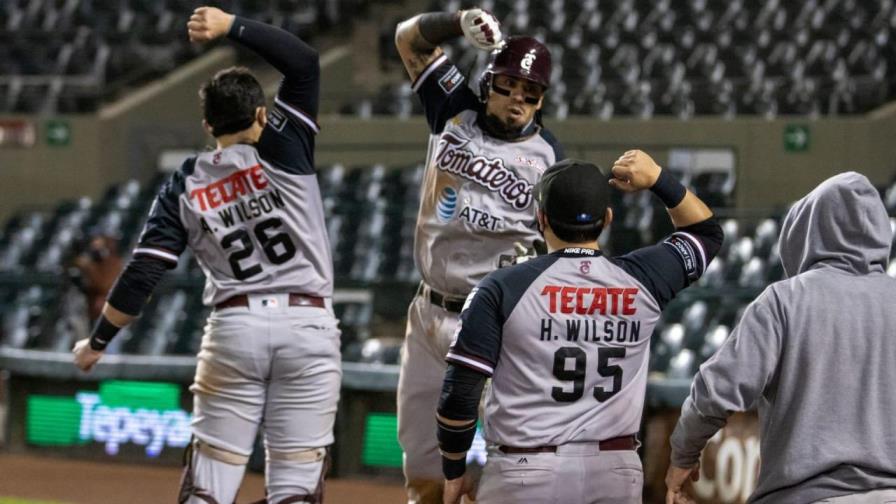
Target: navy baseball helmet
(521, 57)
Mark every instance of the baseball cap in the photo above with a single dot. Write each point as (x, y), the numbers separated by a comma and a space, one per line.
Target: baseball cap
(574, 193)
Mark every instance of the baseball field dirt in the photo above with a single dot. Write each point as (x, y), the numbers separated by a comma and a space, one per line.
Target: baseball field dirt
(28, 479)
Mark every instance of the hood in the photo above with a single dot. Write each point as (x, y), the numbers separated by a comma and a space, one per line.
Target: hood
(842, 223)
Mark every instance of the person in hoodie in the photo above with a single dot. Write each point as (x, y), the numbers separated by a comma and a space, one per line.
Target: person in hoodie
(816, 354)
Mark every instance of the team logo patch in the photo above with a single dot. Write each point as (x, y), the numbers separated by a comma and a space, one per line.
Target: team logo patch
(276, 119)
(451, 80)
(447, 205)
(528, 59)
(491, 173)
(688, 255)
(469, 299)
(585, 267)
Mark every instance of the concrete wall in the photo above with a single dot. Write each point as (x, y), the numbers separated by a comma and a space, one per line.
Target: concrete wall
(125, 138)
(768, 174)
(122, 141)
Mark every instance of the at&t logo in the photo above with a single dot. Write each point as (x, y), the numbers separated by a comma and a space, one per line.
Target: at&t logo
(447, 205)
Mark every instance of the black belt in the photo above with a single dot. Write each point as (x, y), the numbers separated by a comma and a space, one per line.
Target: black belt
(295, 299)
(451, 303)
(612, 444)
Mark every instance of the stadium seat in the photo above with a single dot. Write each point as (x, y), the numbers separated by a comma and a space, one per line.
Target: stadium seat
(682, 365)
(714, 339)
(737, 57)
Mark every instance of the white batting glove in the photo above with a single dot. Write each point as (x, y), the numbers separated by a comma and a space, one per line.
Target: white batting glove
(481, 29)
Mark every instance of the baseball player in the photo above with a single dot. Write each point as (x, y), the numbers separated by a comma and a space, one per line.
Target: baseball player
(814, 354)
(565, 338)
(251, 212)
(485, 153)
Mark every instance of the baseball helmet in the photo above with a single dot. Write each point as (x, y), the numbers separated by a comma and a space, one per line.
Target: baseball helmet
(521, 57)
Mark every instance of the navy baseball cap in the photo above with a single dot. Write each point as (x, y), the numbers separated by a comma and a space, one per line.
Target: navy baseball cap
(574, 193)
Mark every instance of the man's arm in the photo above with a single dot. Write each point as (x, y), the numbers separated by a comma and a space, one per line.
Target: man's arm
(732, 380)
(419, 37)
(163, 239)
(416, 51)
(471, 359)
(297, 61)
(682, 257)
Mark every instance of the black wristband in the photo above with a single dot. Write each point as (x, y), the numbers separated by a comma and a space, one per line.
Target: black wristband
(102, 334)
(453, 469)
(437, 27)
(668, 189)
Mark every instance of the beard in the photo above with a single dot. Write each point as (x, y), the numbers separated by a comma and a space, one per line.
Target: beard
(497, 128)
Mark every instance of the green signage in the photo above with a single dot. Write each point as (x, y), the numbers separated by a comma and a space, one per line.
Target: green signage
(59, 133)
(796, 138)
(381, 446)
(121, 412)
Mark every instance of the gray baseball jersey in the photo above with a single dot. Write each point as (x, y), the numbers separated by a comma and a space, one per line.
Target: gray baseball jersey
(476, 199)
(566, 337)
(252, 214)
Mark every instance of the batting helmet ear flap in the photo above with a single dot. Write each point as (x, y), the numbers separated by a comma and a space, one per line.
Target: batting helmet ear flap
(485, 84)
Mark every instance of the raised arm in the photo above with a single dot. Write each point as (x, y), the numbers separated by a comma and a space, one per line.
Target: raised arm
(635, 170)
(297, 61)
(419, 37)
(681, 258)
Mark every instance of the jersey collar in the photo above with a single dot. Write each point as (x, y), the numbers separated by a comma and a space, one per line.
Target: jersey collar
(577, 252)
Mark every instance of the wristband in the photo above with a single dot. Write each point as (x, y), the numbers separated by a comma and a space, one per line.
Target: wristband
(453, 469)
(102, 334)
(437, 27)
(668, 189)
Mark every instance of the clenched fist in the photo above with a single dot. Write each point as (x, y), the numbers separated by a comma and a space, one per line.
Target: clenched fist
(208, 23)
(481, 29)
(634, 171)
(84, 356)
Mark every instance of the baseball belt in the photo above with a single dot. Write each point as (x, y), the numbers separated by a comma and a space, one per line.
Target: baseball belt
(453, 304)
(613, 444)
(295, 299)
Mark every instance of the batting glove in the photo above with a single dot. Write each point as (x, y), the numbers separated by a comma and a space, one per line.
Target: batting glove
(481, 29)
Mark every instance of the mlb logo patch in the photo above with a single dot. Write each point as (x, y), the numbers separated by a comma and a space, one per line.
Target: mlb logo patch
(276, 119)
(269, 302)
(451, 80)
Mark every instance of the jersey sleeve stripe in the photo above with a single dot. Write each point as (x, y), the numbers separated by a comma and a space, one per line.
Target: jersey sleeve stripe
(471, 363)
(698, 245)
(428, 70)
(302, 116)
(161, 254)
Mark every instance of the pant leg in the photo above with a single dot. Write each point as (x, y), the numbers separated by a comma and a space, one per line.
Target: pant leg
(614, 477)
(885, 496)
(301, 403)
(429, 333)
(228, 398)
(532, 478)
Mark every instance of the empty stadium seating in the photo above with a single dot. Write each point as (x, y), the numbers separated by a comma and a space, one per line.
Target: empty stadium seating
(371, 212)
(683, 58)
(66, 56)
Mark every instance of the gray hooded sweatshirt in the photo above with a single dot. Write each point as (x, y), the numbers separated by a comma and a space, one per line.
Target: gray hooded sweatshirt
(815, 353)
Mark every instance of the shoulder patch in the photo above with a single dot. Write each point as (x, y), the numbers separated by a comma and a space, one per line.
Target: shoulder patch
(276, 119)
(451, 80)
(469, 299)
(688, 255)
